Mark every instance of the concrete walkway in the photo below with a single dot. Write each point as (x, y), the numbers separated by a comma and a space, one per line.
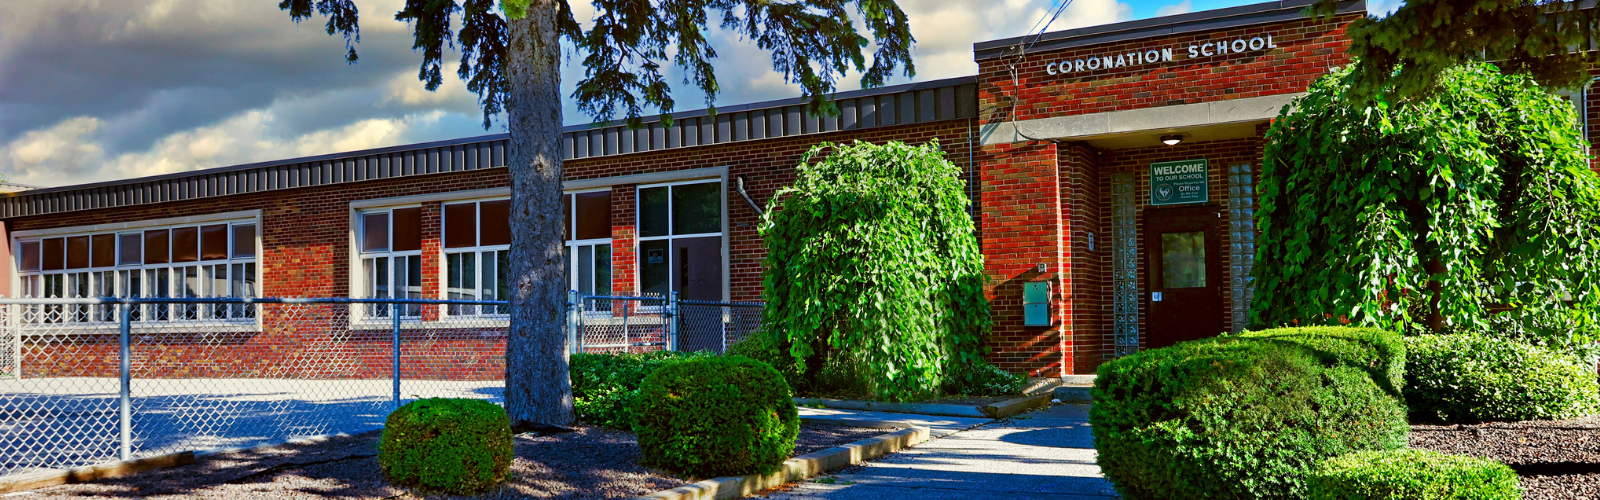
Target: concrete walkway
(1037, 455)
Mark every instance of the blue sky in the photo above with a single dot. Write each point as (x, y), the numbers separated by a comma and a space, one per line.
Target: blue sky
(93, 90)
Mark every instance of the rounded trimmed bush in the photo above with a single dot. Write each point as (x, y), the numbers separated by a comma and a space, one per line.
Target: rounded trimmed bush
(450, 445)
(1234, 417)
(709, 417)
(1413, 475)
(1380, 352)
(604, 385)
(1471, 378)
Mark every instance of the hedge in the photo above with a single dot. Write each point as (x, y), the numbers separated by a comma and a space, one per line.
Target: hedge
(1413, 475)
(603, 385)
(1241, 416)
(1471, 378)
(450, 445)
(717, 416)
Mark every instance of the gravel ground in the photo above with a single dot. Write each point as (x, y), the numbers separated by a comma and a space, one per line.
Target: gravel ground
(1556, 459)
(590, 463)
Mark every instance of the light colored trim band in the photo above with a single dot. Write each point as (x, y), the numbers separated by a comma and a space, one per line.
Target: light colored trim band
(118, 226)
(1248, 109)
(650, 178)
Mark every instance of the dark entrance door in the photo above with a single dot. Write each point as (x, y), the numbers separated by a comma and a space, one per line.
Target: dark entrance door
(1183, 255)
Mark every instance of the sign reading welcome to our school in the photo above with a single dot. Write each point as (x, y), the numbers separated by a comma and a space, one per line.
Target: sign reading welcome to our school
(1179, 182)
(1135, 58)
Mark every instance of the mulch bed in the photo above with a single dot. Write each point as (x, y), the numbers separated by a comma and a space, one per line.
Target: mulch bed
(1556, 459)
(591, 463)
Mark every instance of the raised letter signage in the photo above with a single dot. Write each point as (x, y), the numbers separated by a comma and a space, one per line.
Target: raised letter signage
(1179, 182)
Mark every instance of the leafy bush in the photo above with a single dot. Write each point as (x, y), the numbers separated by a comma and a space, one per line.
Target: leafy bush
(1235, 417)
(1431, 212)
(603, 385)
(1471, 378)
(873, 271)
(1413, 475)
(764, 346)
(1382, 353)
(718, 416)
(451, 445)
(985, 379)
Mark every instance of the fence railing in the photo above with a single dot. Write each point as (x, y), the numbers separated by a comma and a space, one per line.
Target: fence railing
(84, 381)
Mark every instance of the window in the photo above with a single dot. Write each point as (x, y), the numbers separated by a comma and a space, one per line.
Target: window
(391, 257)
(211, 260)
(477, 253)
(680, 239)
(588, 248)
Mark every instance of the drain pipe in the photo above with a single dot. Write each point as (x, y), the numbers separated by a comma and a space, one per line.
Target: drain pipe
(739, 186)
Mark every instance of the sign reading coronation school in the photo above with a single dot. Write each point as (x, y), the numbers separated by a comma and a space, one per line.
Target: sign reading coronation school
(1225, 47)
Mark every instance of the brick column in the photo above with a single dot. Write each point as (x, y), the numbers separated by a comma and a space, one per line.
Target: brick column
(1022, 227)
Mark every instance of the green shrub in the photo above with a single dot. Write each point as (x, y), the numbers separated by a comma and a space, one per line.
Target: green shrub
(709, 417)
(1471, 378)
(873, 272)
(451, 445)
(984, 379)
(1413, 475)
(603, 385)
(1234, 417)
(1382, 353)
(765, 347)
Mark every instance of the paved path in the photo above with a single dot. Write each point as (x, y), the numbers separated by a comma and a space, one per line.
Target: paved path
(1039, 455)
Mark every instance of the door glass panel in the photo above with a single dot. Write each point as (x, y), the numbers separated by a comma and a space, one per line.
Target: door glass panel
(697, 208)
(653, 211)
(655, 274)
(1183, 260)
(697, 263)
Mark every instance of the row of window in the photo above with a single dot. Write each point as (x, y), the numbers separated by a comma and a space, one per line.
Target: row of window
(679, 249)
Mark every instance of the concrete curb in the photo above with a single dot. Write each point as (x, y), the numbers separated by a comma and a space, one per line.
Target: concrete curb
(947, 410)
(871, 424)
(1014, 406)
(90, 473)
(798, 468)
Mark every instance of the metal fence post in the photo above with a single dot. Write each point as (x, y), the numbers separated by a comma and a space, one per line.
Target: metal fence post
(574, 340)
(394, 336)
(125, 404)
(672, 321)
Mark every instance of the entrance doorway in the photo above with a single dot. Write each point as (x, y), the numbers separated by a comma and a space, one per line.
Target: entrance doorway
(1183, 255)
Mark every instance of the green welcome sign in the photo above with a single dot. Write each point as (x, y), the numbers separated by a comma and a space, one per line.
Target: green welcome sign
(1179, 182)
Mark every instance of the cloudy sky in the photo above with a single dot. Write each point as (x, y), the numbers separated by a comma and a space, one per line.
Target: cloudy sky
(94, 90)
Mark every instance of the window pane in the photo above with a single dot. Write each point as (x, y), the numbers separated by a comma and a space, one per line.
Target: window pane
(54, 254)
(495, 225)
(566, 216)
(185, 244)
(377, 277)
(653, 211)
(1183, 260)
(104, 250)
(214, 242)
(375, 232)
(501, 278)
(655, 275)
(486, 286)
(155, 247)
(244, 240)
(586, 269)
(130, 252)
(594, 215)
(461, 225)
(407, 229)
(461, 274)
(697, 208)
(697, 268)
(78, 252)
(30, 256)
(602, 269)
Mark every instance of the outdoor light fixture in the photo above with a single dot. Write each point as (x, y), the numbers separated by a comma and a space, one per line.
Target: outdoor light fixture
(1172, 139)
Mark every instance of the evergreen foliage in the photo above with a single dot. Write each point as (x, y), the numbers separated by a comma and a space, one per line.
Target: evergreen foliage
(716, 416)
(1413, 475)
(1238, 416)
(604, 385)
(1473, 378)
(873, 271)
(458, 446)
(1472, 208)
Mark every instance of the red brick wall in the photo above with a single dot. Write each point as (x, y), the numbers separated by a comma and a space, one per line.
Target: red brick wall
(1023, 227)
(1090, 276)
(1305, 50)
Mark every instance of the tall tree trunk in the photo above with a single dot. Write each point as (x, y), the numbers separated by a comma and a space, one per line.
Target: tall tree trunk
(537, 388)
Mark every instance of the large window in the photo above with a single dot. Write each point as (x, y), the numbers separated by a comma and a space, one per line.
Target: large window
(588, 235)
(680, 239)
(477, 253)
(391, 256)
(209, 260)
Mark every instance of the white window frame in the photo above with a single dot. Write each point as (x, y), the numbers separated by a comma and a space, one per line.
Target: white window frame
(640, 239)
(388, 254)
(572, 244)
(476, 250)
(114, 277)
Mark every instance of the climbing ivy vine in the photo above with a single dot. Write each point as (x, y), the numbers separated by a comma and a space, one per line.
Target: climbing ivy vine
(1470, 207)
(873, 269)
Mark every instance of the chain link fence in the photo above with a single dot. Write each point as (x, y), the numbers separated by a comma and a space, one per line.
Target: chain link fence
(86, 381)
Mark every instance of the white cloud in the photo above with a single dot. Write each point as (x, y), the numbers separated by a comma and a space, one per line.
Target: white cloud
(1183, 7)
(65, 149)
